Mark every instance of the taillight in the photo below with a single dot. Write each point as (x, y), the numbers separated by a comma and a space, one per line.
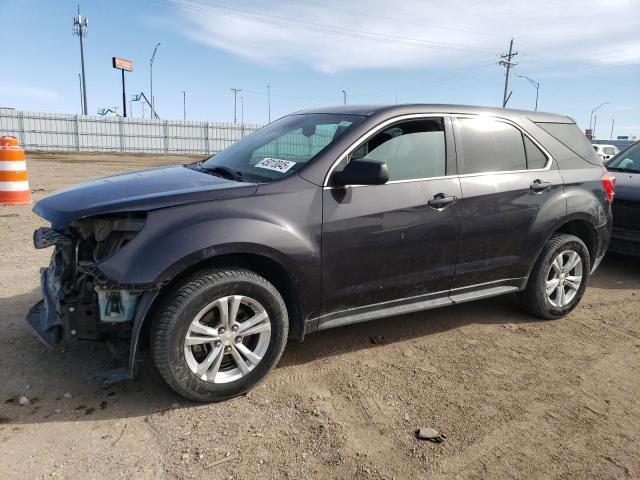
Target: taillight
(609, 185)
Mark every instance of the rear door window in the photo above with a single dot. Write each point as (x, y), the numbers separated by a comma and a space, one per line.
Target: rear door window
(491, 146)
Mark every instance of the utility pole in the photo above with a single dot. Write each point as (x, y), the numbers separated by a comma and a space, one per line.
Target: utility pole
(235, 103)
(344, 97)
(80, 25)
(613, 121)
(593, 110)
(535, 84)
(509, 63)
(242, 110)
(269, 101)
(81, 102)
(184, 105)
(153, 109)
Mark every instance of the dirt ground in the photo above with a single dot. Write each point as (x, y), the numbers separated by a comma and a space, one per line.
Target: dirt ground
(515, 397)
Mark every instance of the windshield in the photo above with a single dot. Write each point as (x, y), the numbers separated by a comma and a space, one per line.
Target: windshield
(281, 148)
(628, 161)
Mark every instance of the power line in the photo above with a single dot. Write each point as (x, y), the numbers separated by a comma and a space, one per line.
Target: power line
(464, 76)
(303, 25)
(401, 20)
(422, 85)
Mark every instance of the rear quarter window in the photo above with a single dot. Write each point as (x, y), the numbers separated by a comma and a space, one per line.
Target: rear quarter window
(571, 137)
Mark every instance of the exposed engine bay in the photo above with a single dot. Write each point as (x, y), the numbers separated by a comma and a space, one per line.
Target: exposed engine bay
(79, 301)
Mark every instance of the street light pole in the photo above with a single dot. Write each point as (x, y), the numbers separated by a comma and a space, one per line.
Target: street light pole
(535, 84)
(269, 101)
(344, 97)
(242, 110)
(613, 121)
(153, 110)
(591, 126)
(235, 103)
(184, 105)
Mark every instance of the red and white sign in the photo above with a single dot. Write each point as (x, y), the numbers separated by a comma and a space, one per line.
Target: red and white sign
(123, 64)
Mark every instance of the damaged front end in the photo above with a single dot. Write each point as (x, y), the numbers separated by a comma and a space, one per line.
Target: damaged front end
(79, 301)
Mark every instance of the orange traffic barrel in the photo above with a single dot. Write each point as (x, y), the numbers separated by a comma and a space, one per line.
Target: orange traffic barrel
(14, 183)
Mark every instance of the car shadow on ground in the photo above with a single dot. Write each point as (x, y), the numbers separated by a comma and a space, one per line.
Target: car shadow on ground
(502, 310)
(617, 272)
(60, 387)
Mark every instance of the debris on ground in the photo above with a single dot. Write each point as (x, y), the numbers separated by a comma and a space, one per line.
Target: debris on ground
(429, 434)
(24, 401)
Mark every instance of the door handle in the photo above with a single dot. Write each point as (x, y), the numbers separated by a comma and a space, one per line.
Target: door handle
(540, 186)
(441, 200)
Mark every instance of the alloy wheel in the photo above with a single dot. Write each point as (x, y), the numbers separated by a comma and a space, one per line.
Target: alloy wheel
(564, 278)
(227, 339)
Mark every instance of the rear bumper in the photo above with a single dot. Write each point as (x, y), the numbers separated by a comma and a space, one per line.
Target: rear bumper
(625, 241)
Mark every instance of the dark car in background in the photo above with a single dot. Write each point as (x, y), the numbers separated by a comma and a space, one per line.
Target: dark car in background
(625, 237)
(320, 219)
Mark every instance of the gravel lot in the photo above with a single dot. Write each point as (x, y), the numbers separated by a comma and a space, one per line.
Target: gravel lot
(516, 397)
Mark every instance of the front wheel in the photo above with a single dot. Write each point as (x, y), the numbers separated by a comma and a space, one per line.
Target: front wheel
(219, 334)
(559, 278)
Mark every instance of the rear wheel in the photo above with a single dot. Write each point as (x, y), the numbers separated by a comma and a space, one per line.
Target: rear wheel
(559, 278)
(219, 334)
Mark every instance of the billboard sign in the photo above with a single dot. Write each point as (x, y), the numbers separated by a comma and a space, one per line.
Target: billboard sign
(122, 64)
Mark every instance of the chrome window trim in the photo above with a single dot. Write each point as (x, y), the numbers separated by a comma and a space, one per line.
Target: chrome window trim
(414, 116)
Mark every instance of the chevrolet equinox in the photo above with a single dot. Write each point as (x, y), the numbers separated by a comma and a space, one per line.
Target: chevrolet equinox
(320, 219)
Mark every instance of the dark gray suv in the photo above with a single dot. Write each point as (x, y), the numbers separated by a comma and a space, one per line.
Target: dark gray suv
(322, 218)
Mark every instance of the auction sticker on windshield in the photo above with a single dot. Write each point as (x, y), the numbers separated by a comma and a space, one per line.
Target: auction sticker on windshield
(276, 164)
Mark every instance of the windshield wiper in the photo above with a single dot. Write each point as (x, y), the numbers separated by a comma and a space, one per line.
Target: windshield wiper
(220, 171)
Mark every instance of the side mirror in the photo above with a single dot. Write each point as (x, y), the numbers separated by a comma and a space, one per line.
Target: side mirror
(361, 172)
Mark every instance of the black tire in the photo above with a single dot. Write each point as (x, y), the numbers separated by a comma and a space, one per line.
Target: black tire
(534, 298)
(172, 322)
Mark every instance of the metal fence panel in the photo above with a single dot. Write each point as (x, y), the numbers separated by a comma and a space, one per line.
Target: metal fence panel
(91, 133)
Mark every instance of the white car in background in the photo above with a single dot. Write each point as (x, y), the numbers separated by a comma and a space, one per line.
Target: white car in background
(605, 152)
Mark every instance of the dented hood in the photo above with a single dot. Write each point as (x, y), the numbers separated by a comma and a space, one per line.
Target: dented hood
(137, 191)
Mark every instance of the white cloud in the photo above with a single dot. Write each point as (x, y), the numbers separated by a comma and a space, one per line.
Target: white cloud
(548, 31)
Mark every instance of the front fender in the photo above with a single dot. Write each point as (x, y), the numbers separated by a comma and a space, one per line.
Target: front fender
(282, 225)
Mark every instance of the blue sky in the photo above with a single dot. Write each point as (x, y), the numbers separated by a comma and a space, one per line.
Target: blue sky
(583, 52)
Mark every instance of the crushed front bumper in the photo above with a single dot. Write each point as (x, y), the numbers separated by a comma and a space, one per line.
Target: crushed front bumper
(44, 317)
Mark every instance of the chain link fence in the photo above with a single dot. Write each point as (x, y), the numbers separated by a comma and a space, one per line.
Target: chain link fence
(88, 133)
